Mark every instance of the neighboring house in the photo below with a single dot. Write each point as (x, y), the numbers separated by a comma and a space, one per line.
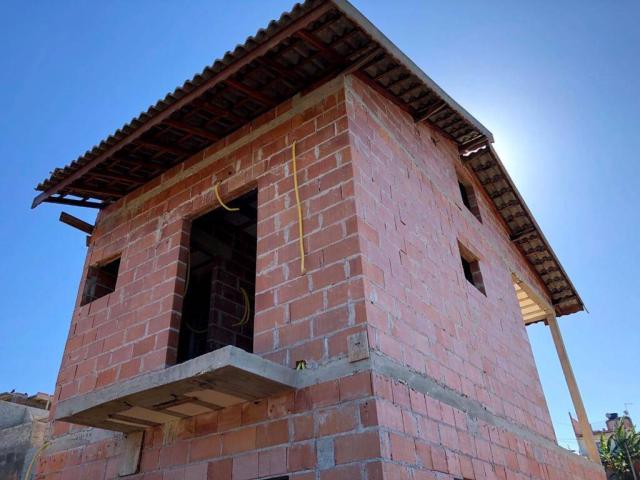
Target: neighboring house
(611, 424)
(23, 422)
(201, 347)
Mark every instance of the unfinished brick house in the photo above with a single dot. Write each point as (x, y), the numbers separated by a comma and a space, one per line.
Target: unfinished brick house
(211, 340)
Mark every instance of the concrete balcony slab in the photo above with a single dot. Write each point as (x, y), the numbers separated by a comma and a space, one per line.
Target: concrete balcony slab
(209, 382)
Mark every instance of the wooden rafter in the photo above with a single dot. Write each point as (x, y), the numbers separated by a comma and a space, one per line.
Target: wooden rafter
(75, 203)
(75, 222)
(115, 176)
(101, 191)
(173, 149)
(200, 132)
(251, 92)
(430, 111)
(319, 45)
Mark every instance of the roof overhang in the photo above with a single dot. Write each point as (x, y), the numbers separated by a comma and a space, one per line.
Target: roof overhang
(313, 43)
(524, 231)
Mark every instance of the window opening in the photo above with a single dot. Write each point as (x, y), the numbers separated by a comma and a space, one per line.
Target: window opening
(101, 280)
(471, 268)
(469, 200)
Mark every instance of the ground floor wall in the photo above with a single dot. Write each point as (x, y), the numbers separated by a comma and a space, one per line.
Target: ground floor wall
(369, 420)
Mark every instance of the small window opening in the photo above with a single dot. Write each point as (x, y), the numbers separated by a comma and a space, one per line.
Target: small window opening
(218, 306)
(471, 268)
(101, 280)
(469, 198)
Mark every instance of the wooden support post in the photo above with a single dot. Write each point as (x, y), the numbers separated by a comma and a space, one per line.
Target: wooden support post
(131, 455)
(587, 433)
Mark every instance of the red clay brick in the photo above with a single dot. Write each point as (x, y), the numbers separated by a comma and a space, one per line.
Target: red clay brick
(272, 433)
(302, 456)
(239, 440)
(358, 446)
(205, 447)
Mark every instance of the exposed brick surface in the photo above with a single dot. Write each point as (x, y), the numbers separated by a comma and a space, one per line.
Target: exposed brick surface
(425, 313)
(382, 222)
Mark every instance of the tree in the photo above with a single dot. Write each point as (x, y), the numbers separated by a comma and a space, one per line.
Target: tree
(620, 452)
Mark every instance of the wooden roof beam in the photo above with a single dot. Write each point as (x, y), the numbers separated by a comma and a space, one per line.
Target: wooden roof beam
(118, 177)
(250, 92)
(515, 236)
(164, 148)
(75, 222)
(209, 107)
(319, 45)
(282, 71)
(430, 111)
(200, 132)
(76, 203)
(103, 191)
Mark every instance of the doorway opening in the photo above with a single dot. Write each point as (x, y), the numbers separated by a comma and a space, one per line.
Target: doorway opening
(218, 306)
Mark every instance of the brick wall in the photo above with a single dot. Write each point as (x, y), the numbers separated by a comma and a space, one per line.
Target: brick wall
(382, 220)
(135, 328)
(329, 426)
(423, 311)
(227, 307)
(424, 314)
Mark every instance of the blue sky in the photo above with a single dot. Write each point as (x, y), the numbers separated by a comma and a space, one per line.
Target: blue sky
(556, 82)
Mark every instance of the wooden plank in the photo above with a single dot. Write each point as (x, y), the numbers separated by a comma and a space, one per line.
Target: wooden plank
(574, 391)
(76, 203)
(133, 420)
(213, 397)
(189, 409)
(202, 403)
(75, 222)
(130, 461)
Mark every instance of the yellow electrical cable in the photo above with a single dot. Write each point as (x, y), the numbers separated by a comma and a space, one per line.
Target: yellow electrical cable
(35, 457)
(247, 309)
(295, 188)
(222, 204)
(247, 306)
(243, 320)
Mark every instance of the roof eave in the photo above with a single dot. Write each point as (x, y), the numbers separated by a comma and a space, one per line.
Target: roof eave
(354, 14)
(72, 180)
